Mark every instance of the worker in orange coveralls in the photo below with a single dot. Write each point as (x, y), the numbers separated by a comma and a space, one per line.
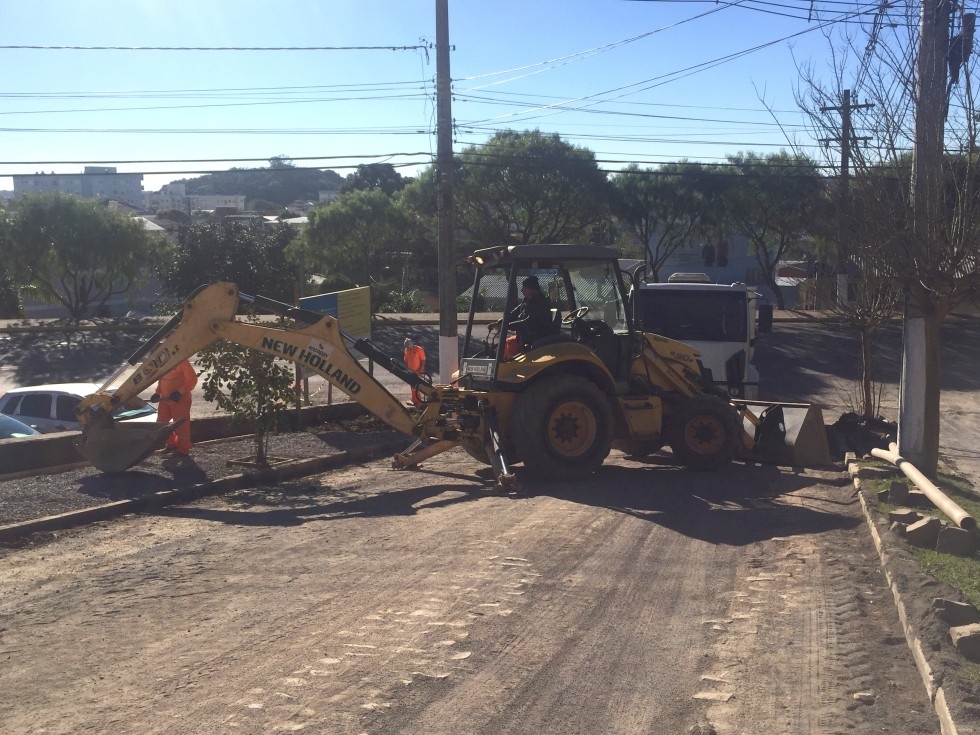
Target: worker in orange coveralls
(415, 359)
(174, 396)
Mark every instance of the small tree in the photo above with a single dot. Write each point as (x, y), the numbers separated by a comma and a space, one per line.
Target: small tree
(930, 200)
(250, 386)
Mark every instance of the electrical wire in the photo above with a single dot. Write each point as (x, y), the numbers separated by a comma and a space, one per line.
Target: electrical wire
(653, 82)
(800, 12)
(24, 47)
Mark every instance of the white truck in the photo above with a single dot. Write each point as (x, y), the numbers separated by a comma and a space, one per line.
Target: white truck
(719, 321)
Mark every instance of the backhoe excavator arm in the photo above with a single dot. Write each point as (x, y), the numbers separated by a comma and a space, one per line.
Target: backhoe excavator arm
(207, 316)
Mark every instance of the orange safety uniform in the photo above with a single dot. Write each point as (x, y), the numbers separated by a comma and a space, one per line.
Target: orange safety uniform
(181, 379)
(415, 360)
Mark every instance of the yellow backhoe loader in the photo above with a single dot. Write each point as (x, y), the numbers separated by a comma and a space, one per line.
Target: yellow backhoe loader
(557, 403)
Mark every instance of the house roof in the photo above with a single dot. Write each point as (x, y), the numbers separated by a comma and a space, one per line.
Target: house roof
(150, 226)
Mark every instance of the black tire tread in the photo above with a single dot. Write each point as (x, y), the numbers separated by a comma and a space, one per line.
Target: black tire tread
(529, 431)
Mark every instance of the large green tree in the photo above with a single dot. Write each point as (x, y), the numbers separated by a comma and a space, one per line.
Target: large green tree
(772, 199)
(75, 252)
(349, 240)
(381, 176)
(528, 187)
(662, 208)
(252, 257)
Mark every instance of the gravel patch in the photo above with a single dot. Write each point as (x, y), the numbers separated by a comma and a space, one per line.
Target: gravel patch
(30, 498)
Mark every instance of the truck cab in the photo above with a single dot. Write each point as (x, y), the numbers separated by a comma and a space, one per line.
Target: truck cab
(719, 321)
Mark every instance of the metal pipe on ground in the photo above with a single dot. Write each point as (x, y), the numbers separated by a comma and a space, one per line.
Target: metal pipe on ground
(942, 501)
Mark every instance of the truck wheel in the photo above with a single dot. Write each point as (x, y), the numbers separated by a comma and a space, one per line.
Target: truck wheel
(705, 433)
(562, 428)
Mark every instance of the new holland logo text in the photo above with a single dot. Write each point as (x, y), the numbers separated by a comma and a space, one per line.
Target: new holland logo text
(315, 356)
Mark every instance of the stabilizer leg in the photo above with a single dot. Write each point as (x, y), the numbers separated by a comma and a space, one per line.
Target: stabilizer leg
(505, 482)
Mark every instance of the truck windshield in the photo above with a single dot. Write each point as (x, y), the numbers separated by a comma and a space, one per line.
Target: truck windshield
(694, 316)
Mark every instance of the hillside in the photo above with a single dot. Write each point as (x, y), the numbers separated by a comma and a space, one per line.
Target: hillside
(280, 185)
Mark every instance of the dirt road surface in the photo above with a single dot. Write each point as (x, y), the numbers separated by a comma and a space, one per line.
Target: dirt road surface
(646, 600)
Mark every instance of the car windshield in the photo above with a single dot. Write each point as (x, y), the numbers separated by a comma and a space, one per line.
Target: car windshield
(11, 428)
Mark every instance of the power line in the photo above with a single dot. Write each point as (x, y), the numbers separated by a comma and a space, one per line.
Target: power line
(214, 105)
(673, 76)
(804, 11)
(621, 113)
(227, 131)
(207, 160)
(638, 103)
(23, 47)
(578, 56)
(213, 91)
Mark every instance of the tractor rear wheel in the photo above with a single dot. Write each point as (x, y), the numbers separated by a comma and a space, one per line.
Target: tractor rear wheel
(705, 433)
(562, 428)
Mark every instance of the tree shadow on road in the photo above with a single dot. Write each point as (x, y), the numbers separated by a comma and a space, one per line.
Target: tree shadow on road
(299, 502)
(741, 505)
(67, 356)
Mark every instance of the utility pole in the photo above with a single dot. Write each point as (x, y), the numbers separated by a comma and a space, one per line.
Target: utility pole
(448, 330)
(846, 136)
(934, 28)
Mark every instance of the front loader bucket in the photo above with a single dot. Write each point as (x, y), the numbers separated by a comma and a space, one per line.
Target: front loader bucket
(788, 434)
(115, 446)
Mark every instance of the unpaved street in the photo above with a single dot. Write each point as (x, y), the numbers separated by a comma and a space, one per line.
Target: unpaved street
(646, 600)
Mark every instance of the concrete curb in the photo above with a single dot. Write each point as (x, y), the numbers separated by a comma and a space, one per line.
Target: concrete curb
(287, 471)
(934, 691)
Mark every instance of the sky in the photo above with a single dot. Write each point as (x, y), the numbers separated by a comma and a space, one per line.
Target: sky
(184, 87)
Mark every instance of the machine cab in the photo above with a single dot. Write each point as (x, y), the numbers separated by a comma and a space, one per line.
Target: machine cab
(583, 288)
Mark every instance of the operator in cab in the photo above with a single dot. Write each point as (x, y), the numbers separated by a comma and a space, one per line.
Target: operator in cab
(530, 319)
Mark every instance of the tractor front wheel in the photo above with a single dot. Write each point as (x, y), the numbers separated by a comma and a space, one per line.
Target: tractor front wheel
(704, 433)
(562, 428)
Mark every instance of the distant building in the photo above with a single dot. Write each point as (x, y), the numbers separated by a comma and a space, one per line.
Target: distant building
(725, 260)
(731, 260)
(174, 197)
(97, 182)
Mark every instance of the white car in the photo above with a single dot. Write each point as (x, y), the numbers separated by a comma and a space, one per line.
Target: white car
(50, 408)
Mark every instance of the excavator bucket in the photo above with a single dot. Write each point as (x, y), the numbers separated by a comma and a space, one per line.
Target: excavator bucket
(115, 446)
(788, 434)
